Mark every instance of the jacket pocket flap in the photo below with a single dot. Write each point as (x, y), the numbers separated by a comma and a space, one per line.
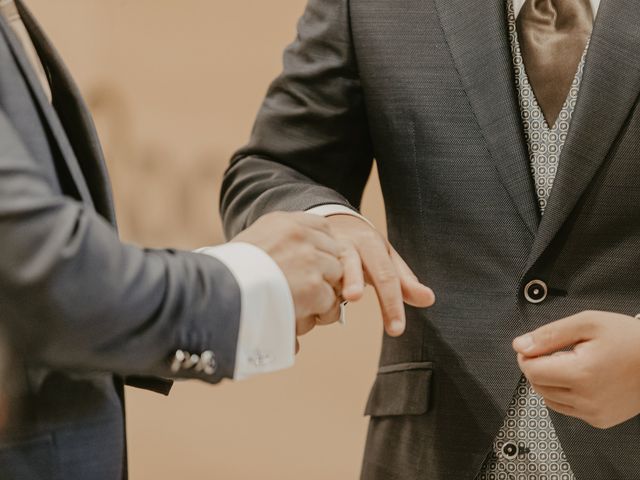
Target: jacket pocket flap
(401, 389)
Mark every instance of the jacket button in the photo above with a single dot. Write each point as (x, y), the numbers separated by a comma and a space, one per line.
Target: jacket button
(536, 291)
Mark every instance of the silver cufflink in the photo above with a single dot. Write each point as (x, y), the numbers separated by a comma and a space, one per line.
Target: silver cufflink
(179, 357)
(191, 361)
(183, 360)
(207, 363)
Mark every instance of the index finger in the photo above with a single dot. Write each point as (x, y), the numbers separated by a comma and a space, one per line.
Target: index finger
(550, 371)
(384, 277)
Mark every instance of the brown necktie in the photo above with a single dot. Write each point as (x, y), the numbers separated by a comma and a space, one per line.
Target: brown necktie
(553, 35)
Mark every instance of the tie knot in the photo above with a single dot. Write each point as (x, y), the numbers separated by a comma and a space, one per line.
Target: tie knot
(553, 35)
(559, 14)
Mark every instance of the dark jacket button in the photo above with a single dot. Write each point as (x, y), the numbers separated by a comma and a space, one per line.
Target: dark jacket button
(536, 291)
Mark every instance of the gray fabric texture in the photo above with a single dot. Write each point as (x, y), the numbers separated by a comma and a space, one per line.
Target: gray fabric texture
(83, 310)
(426, 87)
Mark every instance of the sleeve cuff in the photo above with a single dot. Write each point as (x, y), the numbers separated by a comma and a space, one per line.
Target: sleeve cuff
(336, 209)
(266, 340)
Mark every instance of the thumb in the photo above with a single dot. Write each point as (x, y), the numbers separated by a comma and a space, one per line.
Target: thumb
(555, 336)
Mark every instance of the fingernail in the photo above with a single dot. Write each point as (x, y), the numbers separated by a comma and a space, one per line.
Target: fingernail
(524, 343)
(352, 290)
(433, 294)
(397, 327)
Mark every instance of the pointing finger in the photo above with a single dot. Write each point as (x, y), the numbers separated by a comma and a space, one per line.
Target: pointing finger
(413, 292)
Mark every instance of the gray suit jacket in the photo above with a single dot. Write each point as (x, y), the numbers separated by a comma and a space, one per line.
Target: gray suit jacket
(427, 88)
(85, 311)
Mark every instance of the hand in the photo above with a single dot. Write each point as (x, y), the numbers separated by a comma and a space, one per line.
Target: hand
(367, 256)
(598, 380)
(302, 246)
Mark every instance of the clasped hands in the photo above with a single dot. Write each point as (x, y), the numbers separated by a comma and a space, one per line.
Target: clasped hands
(329, 260)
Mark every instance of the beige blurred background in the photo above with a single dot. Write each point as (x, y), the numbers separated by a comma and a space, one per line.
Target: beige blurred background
(174, 86)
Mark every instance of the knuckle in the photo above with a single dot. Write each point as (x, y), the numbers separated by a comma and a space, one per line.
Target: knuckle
(308, 253)
(321, 222)
(326, 302)
(598, 421)
(345, 248)
(587, 317)
(589, 320)
(589, 408)
(337, 265)
(582, 376)
(393, 311)
(350, 256)
(387, 276)
(296, 232)
(546, 336)
(307, 292)
(369, 235)
(315, 284)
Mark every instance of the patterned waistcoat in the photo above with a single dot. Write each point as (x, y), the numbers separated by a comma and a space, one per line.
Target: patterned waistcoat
(526, 447)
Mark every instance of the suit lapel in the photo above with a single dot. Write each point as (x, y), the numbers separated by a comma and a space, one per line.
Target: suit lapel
(476, 32)
(47, 112)
(609, 90)
(75, 117)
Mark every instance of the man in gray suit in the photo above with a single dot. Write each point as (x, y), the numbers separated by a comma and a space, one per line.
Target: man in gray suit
(506, 134)
(86, 314)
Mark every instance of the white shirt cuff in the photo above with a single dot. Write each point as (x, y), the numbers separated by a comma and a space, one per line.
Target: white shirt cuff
(336, 209)
(266, 340)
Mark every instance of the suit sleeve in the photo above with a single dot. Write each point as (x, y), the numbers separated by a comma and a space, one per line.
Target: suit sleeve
(75, 298)
(310, 144)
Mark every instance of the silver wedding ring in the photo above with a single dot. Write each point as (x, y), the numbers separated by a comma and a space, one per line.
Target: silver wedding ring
(343, 313)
